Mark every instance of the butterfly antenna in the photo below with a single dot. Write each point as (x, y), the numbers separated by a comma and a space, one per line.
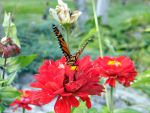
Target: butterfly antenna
(86, 43)
(83, 47)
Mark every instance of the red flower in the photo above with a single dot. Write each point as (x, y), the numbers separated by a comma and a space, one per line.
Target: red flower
(56, 79)
(24, 101)
(119, 69)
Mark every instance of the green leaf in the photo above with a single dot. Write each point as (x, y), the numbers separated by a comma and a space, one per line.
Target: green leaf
(81, 109)
(8, 92)
(126, 110)
(104, 109)
(10, 78)
(16, 63)
(2, 108)
(147, 30)
(142, 79)
(142, 82)
(10, 29)
(2, 81)
(92, 110)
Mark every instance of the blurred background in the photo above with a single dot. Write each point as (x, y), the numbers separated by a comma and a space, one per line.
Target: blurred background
(124, 27)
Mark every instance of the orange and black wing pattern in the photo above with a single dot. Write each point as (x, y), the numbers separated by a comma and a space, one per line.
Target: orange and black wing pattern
(62, 43)
(71, 59)
(79, 52)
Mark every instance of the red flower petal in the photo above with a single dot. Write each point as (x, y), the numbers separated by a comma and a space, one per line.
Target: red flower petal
(88, 102)
(111, 82)
(119, 69)
(73, 101)
(62, 106)
(55, 78)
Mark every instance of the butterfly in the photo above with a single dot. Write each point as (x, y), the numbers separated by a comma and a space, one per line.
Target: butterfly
(71, 59)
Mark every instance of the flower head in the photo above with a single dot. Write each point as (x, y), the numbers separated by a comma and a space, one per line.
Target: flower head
(8, 48)
(63, 14)
(56, 79)
(119, 69)
(24, 101)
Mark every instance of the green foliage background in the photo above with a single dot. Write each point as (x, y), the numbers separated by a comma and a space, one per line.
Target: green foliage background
(127, 33)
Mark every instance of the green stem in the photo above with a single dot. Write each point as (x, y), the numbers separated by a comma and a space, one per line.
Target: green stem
(67, 29)
(68, 34)
(4, 69)
(5, 59)
(108, 93)
(109, 99)
(23, 110)
(97, 28)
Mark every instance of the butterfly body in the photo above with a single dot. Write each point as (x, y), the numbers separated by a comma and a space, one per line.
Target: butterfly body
(71, 59)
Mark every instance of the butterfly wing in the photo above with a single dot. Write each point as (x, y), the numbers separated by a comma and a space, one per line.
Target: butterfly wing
(79, 52)
(73, 58)
(62, 43)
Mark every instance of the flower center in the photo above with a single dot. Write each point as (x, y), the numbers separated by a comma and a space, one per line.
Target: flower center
(113, 62)
(74, 68)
